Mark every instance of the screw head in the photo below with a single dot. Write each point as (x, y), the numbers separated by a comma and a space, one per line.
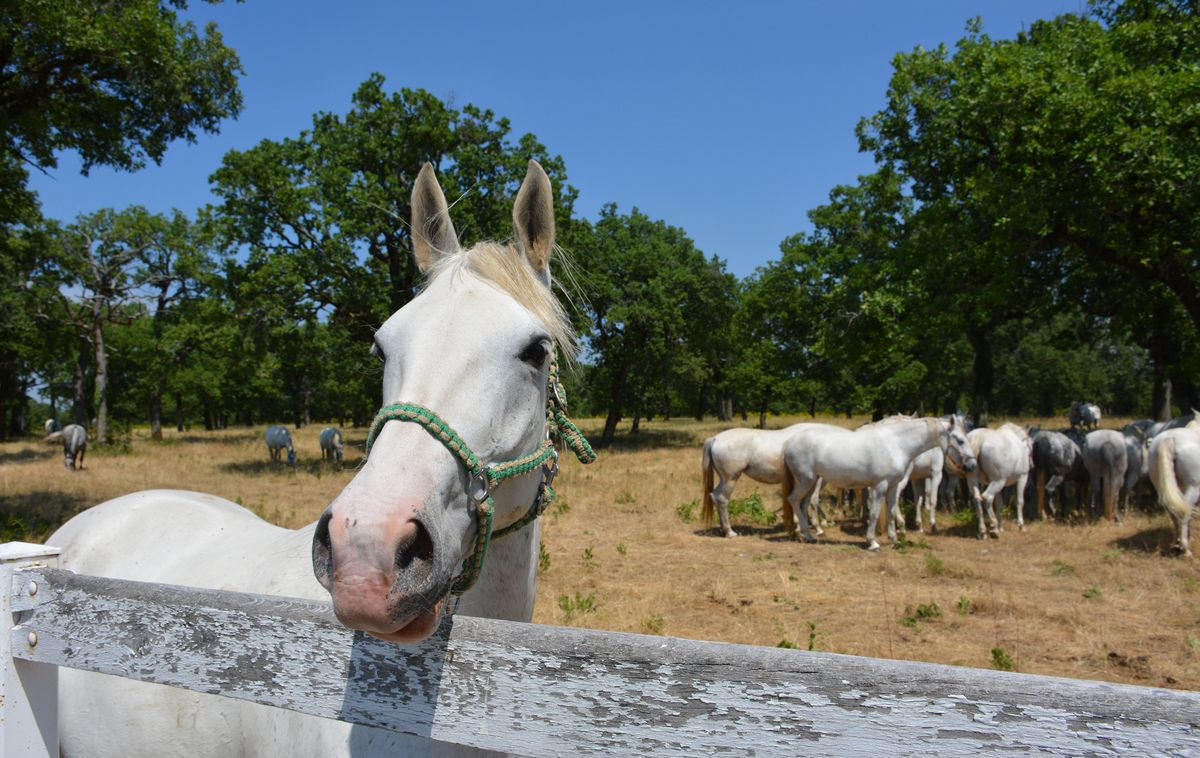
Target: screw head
(32, 639)
(32, 589)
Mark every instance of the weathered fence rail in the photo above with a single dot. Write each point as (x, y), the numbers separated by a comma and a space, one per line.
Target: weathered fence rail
(525, 688)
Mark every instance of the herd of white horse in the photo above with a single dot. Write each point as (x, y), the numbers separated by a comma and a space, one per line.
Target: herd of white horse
(881, 458)
(470, 361)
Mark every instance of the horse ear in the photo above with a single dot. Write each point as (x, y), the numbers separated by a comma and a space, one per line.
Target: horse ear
(432, 231)
(533, 220)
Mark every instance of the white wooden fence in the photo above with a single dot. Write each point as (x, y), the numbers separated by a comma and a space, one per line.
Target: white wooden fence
(525, 688)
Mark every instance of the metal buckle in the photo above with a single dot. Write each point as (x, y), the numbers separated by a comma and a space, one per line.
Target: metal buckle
(549, 471)
(481, 477)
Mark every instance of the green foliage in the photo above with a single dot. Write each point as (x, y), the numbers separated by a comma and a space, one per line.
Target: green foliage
(786, 643)
(625, 498)
(921, 613)
(621, 549)
(963, 606)
(687, 511)
(543, 558)
(653, 624)
(1093, 593)
(578, 605)
(769, 556)
(936, 565)
(814, 637)
(1001, 660)
(1058, 568)
(751, 509)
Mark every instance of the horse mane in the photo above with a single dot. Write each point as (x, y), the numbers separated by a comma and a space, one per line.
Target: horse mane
(505, 268)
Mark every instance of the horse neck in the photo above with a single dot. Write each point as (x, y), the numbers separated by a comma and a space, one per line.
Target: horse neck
(507, 587)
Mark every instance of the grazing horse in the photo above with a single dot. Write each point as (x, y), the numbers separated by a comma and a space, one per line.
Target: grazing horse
(74, 439)
(474, 349)
(1057, 458)
(1137, 455)
(757, 453)
(877, 457)
(53, 425)
(1004, 458)
(278, 438)
(1106, 459)
(1175, 471)
(331, 443)
(1086, 415)
(1179, 422)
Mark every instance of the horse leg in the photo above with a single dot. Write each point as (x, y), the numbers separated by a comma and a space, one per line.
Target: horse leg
(920, 489)
(933, 484)
(814, 507)
(799, 499)
(989, 497)
(895, 519)
(720, 496)
(1021, 501)
(875, 499)
(977, 497)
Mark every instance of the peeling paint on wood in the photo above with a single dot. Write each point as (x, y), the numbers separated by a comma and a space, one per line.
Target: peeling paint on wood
(540, 690)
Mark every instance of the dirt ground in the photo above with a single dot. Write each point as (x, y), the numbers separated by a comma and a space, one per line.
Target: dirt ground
(623, 551)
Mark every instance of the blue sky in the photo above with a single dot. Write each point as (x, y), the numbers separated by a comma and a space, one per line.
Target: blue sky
(728, 120)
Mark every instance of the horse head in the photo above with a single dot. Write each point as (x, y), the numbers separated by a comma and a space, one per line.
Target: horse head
(958, 450)
(473, 352)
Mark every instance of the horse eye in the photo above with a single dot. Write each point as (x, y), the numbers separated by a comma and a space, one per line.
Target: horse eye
(536, 353)
(377, 351)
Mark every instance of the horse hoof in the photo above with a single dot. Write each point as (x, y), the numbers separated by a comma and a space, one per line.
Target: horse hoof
(995, 535)
(874, 547)
(820, 532)
(934, 530)
(731, 533)
(1022, 527)
(810, 539)
(983, 535)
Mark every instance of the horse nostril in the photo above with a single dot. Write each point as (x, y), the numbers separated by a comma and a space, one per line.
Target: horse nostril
(322, 550)
(417, 548)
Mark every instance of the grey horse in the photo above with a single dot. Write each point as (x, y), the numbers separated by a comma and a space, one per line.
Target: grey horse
(1086, 415)
(74, 439)
(1057, 458)
(1155, 429)
(331, 443)
(1106, 460)
(1137, 454)
(53, 425)
(278, 437)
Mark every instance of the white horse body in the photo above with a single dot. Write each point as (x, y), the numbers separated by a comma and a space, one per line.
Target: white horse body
(1003, 457)
(1175, 471)
(388, 548)
(878, 458)
(756, 453)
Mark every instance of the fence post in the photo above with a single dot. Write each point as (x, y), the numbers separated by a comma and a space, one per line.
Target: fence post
(28, 691)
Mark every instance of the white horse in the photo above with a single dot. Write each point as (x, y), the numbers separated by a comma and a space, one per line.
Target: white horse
(877, 457)
(1106, 459)
(1175, 471)
(757, 453)
(475, 347)
(929, 466)
(1004, 456)
(1086, 415)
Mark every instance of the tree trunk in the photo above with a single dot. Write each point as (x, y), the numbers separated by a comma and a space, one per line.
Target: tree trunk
(720, 405)
(610, 429)
(984, 373)
(1162, 396)
(762, 411)
(812, 406)
(156, 411)
(637, 422)
(101, 382)
(667, 405)
(1185, 394)
(178, 412)
(77, 386)
(700, 403)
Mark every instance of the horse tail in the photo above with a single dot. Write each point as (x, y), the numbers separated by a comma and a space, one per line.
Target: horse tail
(707, 476)
(1109, 481)
(785, 489)
(1041, 492)
(1169, 494)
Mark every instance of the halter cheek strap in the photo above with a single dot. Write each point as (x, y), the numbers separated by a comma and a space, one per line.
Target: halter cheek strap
(489, 477)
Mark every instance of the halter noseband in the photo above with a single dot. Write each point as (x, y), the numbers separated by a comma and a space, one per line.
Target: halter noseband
(490, 477)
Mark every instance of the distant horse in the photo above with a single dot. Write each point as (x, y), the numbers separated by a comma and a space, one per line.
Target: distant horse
(74, 439)
(1086, 415)
(1057, 459)
(331, 443)
(53, 425)
(1175, 471)
(757, 453)
(278, 438)
(1106, 459)
(1003, 456)
(877, 457)
(1137, 455)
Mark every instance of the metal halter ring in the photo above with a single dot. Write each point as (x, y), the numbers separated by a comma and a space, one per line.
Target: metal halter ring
(481, 477)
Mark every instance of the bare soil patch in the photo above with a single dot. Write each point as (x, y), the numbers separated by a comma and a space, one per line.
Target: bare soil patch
(1086, 599)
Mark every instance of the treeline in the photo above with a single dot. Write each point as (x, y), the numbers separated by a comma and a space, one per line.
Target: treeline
(1027, 239)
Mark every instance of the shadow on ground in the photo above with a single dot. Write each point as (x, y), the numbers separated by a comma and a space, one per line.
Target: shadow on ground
(32, 516)
(650, 438)
(1150, 541)
(31, 454)
(311, 466)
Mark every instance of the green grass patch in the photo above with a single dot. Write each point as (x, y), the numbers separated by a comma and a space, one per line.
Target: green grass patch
(751, 509)
(687, 511)
(1001, 660)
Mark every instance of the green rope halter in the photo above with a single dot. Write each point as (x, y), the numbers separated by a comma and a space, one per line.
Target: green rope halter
(491, 476)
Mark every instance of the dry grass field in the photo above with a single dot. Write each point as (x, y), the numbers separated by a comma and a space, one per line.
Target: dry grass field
(623, 551)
